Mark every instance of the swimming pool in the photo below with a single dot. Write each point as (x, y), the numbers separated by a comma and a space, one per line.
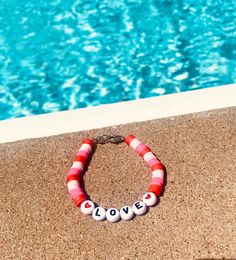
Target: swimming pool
(62, 55)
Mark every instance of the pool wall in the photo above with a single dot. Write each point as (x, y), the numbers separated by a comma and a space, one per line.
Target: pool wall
(118, 113)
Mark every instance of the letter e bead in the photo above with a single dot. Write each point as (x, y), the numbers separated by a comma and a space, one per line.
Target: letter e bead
(139, 208)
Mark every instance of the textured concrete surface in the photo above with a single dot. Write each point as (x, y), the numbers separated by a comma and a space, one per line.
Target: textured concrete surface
(195, 218)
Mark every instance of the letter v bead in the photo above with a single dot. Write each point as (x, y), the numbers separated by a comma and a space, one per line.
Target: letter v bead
(126, 213)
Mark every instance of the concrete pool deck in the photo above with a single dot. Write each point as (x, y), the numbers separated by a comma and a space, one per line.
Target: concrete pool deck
(195, 218)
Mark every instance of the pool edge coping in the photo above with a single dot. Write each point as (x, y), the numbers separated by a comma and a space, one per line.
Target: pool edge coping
(62, 122)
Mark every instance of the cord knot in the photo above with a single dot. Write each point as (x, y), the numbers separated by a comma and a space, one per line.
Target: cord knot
(103, 139)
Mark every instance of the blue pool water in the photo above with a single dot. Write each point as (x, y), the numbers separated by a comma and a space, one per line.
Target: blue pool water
(60, 55)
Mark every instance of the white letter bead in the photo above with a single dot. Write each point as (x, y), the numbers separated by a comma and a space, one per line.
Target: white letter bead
(87, 207)
(99, 214)
(149, 199)
(126, 213)
(113, 215)
(139, 208)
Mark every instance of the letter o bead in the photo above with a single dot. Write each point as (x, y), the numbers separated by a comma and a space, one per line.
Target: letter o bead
(99, 214)
(87, 207)
(113, 215)
(126, 213)
(139, 208)
(149, 199)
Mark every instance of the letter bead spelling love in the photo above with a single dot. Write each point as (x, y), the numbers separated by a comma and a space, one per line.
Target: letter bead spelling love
(126, 213)
(99, 214)
(139, 208)
(113, 215)
(88, 207)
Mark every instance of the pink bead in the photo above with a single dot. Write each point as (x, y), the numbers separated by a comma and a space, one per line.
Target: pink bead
(83, 153)
(74, 171)
(76, 192)
(140, 147)
(153, 161)
(158, 181)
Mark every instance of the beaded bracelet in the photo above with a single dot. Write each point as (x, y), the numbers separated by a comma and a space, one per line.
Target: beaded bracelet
(88, 207)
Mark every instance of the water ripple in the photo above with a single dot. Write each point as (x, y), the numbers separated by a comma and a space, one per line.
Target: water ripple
(61, 55)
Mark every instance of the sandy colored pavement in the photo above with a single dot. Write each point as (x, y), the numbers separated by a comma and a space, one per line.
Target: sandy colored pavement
(195, 219)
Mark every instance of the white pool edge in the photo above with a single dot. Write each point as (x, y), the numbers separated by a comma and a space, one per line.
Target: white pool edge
(118, 113)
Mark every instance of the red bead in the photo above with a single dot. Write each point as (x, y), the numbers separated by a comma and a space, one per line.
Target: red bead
(156, 189)
(158, 166)
(72, 177)
(129, 138)
(79, 200)
(144, 151)
(87, 141)
(80, 158)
